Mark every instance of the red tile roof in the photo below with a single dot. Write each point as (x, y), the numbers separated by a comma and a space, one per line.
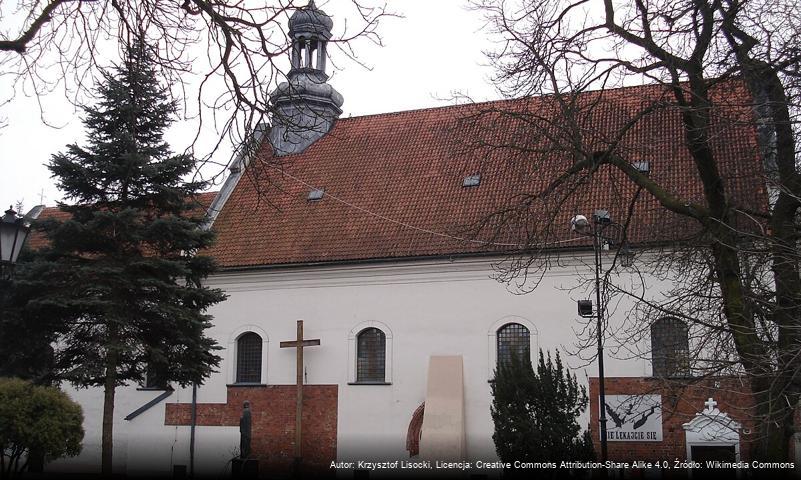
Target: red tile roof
(393, 182)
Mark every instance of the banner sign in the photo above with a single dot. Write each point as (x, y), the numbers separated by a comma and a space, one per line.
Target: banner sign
(633, 418)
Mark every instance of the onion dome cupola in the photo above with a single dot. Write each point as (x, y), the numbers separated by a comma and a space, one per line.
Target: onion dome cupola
(305, 107)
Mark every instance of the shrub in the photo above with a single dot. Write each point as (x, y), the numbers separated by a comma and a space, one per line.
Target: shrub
(39, 419)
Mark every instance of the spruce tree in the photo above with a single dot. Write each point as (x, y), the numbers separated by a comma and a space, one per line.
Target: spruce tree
(536, 412)
(120, 279)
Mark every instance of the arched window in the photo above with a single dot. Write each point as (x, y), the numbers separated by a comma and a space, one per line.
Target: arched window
(513, 338)
(248, 358)
(371, 348)
(670, 348)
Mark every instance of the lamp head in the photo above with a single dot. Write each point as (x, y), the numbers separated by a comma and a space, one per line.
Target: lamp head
(10, 215)
(13, 232)
(579, 223)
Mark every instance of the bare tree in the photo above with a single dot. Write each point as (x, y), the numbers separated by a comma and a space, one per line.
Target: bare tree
(721, 69)
(228, 54)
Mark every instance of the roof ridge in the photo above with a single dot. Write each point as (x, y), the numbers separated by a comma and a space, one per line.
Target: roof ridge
(415, 110)
(499, 100)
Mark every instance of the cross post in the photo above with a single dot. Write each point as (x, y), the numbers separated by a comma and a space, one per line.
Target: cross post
(298, 344)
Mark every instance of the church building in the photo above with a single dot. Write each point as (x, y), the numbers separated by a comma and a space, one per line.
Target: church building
(367, 248)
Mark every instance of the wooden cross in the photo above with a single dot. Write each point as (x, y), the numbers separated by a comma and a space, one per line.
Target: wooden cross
(299, 344)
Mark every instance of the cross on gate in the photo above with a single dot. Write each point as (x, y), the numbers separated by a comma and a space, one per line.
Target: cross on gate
(710, 404)
(298, 344)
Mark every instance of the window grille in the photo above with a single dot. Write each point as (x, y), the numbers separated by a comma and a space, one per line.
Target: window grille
(371, 347)
(513, 338)
(670, 348)
(248, 358)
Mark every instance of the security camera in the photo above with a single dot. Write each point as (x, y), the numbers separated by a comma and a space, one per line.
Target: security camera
(579, 223)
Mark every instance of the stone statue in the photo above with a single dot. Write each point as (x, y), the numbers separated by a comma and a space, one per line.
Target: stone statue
(245, 424)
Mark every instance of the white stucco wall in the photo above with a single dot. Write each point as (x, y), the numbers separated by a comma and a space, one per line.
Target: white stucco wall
(430, 307)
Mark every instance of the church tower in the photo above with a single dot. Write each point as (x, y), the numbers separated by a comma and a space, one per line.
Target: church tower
(305, 106)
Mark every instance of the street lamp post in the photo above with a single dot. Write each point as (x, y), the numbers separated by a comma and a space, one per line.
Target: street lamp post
(580, 224)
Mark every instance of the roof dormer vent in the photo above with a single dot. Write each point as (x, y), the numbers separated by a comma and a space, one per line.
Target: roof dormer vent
(316, 194)
(643, 167)
(472, 180)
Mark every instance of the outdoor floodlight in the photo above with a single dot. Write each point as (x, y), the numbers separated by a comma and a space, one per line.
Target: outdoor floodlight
(601, 217)
(585, 308)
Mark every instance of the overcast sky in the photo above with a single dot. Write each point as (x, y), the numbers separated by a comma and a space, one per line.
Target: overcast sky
(427, 57)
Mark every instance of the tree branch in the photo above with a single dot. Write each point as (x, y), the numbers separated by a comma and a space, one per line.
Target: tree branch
(21, 44)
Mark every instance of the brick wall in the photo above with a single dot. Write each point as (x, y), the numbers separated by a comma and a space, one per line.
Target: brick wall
(680, 403)
(273, 415)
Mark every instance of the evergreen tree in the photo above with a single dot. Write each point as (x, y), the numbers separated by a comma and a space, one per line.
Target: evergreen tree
(535, 413)
(119, 282)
